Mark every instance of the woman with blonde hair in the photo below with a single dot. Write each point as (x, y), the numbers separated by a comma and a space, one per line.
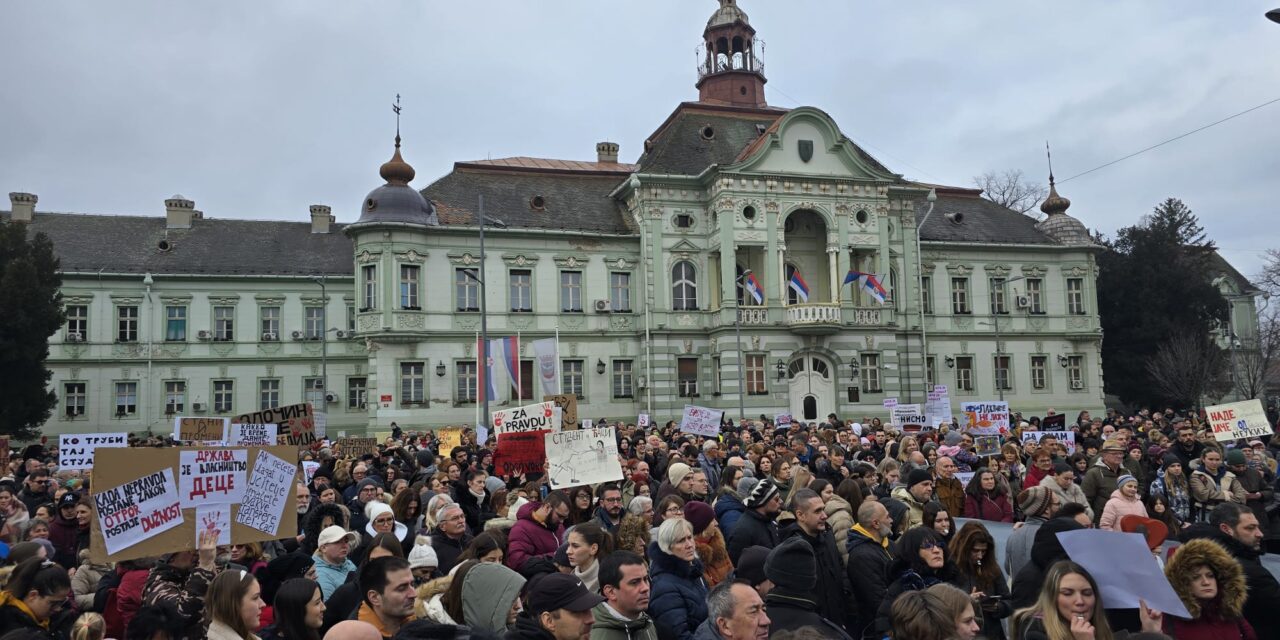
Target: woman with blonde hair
(1069, 608)
(233, 606)
(941, 612)
(89, 626)
(906, 446)
(803, 476)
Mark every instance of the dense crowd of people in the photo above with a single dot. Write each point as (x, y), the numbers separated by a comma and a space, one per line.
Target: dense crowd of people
(838, 529)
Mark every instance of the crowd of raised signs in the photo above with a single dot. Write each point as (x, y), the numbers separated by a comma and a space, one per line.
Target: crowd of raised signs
(837, 529)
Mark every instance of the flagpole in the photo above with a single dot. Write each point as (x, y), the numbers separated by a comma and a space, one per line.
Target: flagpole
(519, 373)
(560, 374)
(479, 378)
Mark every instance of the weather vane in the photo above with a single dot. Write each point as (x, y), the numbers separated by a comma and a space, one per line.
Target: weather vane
(396, 108)
(1047, 154)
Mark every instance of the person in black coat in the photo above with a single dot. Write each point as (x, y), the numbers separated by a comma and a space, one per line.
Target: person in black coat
(792, 604)
(833, 594)
(473, 497)
(1045, 550)
(868, 564)
(921, 562)
(756, 527)
(450, 537)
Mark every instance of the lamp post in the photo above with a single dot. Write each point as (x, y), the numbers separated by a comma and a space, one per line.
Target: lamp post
(737, 330)
(324, 344)
(482, 357)
(995, 323)
(924, 334)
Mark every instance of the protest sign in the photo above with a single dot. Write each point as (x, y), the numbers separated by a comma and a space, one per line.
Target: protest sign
(1101, 552)
(250, 433)
(212, 476)
(75, 451)
(448, 439)
(115, 468)
(1056, 422)
(782, 420)
(585, 456)
(701, 421)
(532, 417)
(937, 406)
(520, 452)
(1239, 420)
(216, 518)
(309, 468)
(588, 423)
(568, 404)
(890, 403)
(297, 423)
(1067, 438)
(909, 417)
(482, 435)
(211, 431)
(986, 418)
(138, 509)
(965, 476)
(643, 421)
(986, 445)
(357, 447)
(270, 486)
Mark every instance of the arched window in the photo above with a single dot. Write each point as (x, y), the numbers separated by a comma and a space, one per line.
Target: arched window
(684, 287)
(745, 299)
(891, 287)
(820, 368)
(792, 296)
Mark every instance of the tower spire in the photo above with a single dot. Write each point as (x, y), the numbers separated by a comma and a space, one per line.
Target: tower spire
(1053, 203)
(730, 66)
(396, 170)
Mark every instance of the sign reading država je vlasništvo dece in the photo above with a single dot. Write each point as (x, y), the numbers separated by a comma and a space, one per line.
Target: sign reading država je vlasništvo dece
(532, 417)
(1238, 420)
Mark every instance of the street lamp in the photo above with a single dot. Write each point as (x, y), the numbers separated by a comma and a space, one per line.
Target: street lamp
(995, 323)
(1274, 15)
(782, 370)
(924, 333)
(324, 343)
(482, 358)
(737, 330)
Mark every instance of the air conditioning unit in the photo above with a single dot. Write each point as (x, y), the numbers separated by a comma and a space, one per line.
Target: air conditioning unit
(204, 335)
(1077, 384)
(603, 306)
(75, 337)
(342, 335)
(270, 337)
(330, 397)
(197, 406)
(1023, 302)
(297, 335)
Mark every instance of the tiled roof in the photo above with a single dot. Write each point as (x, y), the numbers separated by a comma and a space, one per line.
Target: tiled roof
(1218, 265)
(572, 201)
(130, 244)
(983, 221)
(679, 146)
(548, 164)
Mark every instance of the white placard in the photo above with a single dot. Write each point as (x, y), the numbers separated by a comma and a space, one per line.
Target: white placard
(890, 403)
(322, 424)
(1239, 420)
(587, 423)
(270, 486)
(701, 421)
(309, 468)
(212, 476)
(138, 509)
(582, 456)
(252, 434)
(964, 477)
(986, 418)
(1067, 438)
(1101, 552)
(75, 451)
(782, 420)
(937, 406)
(643, 421)
(533, 417)
(909, 414)
(216, 518)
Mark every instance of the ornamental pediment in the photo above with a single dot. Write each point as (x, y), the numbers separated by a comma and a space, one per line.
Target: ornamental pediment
(520, 259)
(463, 258)
(570, 261)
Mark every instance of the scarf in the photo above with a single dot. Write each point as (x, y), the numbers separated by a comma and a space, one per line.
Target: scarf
(8, 600)
(884, 541)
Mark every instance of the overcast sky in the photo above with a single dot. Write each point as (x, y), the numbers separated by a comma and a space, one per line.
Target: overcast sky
(257, 109)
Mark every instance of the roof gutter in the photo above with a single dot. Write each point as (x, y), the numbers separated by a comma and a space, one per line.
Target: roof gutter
(988, 246)
(665, 177)
(249, 276)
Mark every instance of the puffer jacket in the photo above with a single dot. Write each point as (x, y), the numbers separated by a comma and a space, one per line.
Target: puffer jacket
(1118, 507)
(839, 522)
(1208, 492)
(530, 538)
(313, 525)
(677, 594)
(488, 591)
(868, 569)
(1262, 606)
(610, 627)
(752, 529)
(729, 510)
(1099, 482)
(915, 507)
(84, 584)
(1220, 618)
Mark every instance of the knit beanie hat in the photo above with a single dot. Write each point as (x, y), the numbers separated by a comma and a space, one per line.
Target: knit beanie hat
(1035, 501)
(1169, 460)
(677, 472)
(916, 476)
(792, 566)
(423, 555)
(751, 566)
(1125, 478)
(700, 515)
(1235, 456)
(952, 438)
(761, 494)
(1060, 468)
(745, 485)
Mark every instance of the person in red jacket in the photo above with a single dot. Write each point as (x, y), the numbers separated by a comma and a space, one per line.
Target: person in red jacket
(1041, 466)
(1212, 586)
(985, 499)
(133, 577)
(64, 531)
(538, 531)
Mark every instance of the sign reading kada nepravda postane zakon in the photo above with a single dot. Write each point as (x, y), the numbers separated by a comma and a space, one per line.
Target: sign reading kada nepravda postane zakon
(533, 417)
(584, 456)
(75, 451)
(1239, 420)
(138, 509)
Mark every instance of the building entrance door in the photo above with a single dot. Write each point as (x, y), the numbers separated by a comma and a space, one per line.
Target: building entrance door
(811, 390)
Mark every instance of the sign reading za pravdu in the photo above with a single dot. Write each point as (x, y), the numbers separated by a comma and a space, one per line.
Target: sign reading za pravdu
(533, 417)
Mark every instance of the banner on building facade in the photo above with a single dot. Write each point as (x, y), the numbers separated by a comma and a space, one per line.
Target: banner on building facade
(548, 361)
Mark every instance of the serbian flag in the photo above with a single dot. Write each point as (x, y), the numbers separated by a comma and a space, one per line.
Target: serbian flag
(872, 286)
(754, 288)
(487, 385)
(508, 349)
(854, 276)
(798, 285)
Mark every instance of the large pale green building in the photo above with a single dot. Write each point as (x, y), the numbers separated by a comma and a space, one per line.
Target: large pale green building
(637, 268)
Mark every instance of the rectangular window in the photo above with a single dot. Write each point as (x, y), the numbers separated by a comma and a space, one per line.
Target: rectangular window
(1075, 372)
(620, 291)
(223, 395)
(224, 319)
(357, 392)
(571, 291)
(521, 290)
(926, 294)
(77, 323)
(1075, 296)
(369, 287)
(931, 371)
(997, 296)
(526, 381)
(175, 328)
(869, 372)
(1039, 372)
(755, 375)
(466, 381)
(270, 322)
(175, 396)
(1035, 295)
(73, 399)
(126, 324)
(126, 398)
(687, 377)
(960, 295)
(622, 379)
(1001, 364)
(313, 392)
(964, 373)
(466, 289)
(351, 318)
(268, 394)
(409, 276)
(412, 383)
(571, 377)
(715, 375)
(314, 318)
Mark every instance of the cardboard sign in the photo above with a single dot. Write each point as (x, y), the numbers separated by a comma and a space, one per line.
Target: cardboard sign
(215, 518)
(782, 420)
(937, 406)
(309, 469)
(449, 438)
(701, 421)
(533, 417)
(568, 404)
(200, 430)
(357, 447)
(75, 451)
(270, 490)
(138, 510)
(1067, 438)
(986, 445)
(585, 456)
(909, 417)
(115, 468)
(1054, 423)
(297, 423)
(212, 476)
(1239, 420)
(247, 434)
(986, 418)
(643, 421)
(520, 452)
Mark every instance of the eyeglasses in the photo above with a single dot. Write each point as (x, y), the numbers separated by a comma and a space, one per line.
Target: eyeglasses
(674, 510)
(929, 544)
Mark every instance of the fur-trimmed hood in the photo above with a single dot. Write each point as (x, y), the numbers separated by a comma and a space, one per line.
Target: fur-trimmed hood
(1231, 583)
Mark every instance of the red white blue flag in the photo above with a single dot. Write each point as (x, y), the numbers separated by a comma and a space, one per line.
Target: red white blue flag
(754, 288)
(798, 285)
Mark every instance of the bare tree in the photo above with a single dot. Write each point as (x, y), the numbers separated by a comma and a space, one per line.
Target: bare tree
(1256, 366)
(1269, 278)
(1011, 190)
(1189, 369)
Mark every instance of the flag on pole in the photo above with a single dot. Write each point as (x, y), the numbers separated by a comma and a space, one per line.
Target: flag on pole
(798, 285)
(753, 287)
(869, 284)
(487, 385)
(545, 351)
(508, 349)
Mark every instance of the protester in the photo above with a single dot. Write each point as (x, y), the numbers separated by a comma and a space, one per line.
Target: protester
(450, 537)
(331, 561)
(1100, 481)
(987, 499)
(1212, 586)
(793, 601)
(1063, 484)
(233, 606)
(624, 581)
(915, 493)
(34, 597)
(388, 595)
(920, 562)
(1213, 484)
(947, 487)
(712, 548)
(978, 574)
(1069, 607)
(587, 543)
(298, 609)
(182, 579)
(1124, 502)
(757, 527)
(834, 597)
(490, 597)
(678, 593)
(1236, 528)
(941, 612)
(538, 531)
(558, 607)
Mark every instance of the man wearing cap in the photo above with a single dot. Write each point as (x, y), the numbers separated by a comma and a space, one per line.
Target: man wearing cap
(1257, 492)
(367, 491)
(750, 570)
(63, 530)
(1100, 480)
(558, 607)
(1038, 504)
(332, 564)
(915, 493)
(389, 596)
(757, 526)
(624, 579)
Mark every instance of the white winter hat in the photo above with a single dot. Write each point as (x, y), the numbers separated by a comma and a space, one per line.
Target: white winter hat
(422, 555)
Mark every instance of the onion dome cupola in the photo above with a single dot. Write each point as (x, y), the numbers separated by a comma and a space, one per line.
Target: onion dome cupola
(1057, 224)
(730, 64)
(396, 201)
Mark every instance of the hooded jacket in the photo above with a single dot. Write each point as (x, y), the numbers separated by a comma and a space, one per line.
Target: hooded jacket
(488, 592)
(610, 627)
(530, 538)
(1208, 492)
(1262, 608)
(1217, 619)
(677, 595)
(1099, 482)
(868, 570)
(314, 520)
(839, 522)
(914, 506)
(1118, 507)
(729, 510)
(63, 533)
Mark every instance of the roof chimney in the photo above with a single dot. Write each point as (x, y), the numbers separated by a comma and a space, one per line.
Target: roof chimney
(607, 152)
(321, 218)
(178, 212)
(22, 206)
